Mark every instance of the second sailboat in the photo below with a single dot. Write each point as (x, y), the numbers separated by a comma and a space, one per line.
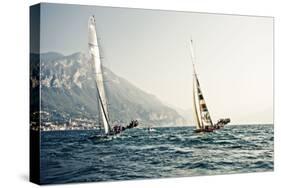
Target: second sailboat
(202, 115)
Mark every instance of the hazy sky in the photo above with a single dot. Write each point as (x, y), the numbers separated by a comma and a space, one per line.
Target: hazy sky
(234, 54)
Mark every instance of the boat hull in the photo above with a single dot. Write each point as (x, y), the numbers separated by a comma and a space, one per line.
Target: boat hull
(203, 130)
(219, 125)
(116, 130)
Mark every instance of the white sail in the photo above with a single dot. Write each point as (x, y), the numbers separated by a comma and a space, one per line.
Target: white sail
(195, 106)
(205, 118)
(96, 62)
(202, 115)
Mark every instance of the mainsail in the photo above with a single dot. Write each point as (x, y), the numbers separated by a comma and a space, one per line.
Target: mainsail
(96, 63)
(195, 108)
(202, 115)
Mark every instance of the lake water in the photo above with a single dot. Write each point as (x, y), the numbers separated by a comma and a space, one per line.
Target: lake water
(69, 156)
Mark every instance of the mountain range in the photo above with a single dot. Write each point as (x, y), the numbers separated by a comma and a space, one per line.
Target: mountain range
(68, 90)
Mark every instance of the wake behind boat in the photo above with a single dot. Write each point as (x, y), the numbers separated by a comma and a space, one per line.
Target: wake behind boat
(203, 118)
(95, 61)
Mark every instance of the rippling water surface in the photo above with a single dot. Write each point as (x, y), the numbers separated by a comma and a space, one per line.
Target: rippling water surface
(69, 156)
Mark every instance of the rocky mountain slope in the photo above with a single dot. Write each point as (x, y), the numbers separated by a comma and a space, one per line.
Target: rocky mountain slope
(68, 91)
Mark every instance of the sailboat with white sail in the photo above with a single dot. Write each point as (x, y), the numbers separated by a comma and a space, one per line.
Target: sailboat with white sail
(95, 61)
(202, 115)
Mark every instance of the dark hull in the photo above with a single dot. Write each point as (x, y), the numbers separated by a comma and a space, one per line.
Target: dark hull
(203, 130)
(219, 125)
(116, 130)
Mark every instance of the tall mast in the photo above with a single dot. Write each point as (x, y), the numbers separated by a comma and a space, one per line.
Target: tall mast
(194, 90)
(96, 64)
(192, 56)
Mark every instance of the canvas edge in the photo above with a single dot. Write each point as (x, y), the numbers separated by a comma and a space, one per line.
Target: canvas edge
(34, 102)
